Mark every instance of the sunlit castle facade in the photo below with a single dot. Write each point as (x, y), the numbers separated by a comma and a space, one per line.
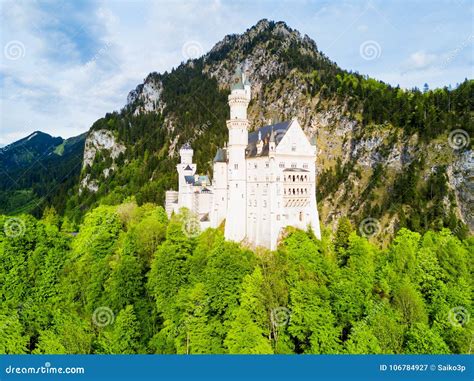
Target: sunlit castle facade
(263, 181)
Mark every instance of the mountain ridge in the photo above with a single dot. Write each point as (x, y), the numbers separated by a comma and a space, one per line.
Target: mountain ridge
(373, 138)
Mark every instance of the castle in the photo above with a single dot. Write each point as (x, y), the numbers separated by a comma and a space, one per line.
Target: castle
(262, 181)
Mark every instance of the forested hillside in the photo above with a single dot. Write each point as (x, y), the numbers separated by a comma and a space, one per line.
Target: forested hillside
(132, 281)
(38, 171)
(401, 158)
(398, 156)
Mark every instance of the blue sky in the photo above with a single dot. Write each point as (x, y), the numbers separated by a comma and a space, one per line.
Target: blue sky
(66, 63)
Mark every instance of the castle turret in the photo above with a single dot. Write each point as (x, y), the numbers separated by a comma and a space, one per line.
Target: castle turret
(272, 142)
(186, 153)
(219, 181)
(186, 170)
(238, 125)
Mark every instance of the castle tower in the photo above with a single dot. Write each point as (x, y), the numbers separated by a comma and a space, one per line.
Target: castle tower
(239, 98)
(219, 182)
(186, 170)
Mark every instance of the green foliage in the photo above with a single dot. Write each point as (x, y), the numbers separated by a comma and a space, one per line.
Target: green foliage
(124, 337)
(420, 339)
(249, 330)
(341, 240)
(166, 292)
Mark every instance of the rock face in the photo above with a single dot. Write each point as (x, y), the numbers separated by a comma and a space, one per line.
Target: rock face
(101, 140)
(105, 143)
(274, 56)
(461, 180)
(147, 96)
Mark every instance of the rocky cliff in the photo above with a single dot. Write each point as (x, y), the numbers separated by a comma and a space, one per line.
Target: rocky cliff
(384, 154)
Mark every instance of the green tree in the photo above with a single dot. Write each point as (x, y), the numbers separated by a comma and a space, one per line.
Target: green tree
(124, 337)
(420, 339)
(12, 337)
(249, 331)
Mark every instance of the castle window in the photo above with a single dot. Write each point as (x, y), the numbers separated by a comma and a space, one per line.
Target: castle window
(301, 216)
(282, 165)
(293, 165)
(278, 178)
(236, 166)
(305, 166)
(264, 204)
(293, 147)
(267, 164)
(255, 165)
(278, 217)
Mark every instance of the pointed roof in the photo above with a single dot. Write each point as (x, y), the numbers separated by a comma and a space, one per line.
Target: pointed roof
(189, 179)
(221, 156)
(272, 136)
(273, 131)
(237, 83)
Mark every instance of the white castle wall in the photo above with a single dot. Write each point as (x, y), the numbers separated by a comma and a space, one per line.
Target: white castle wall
(258, 196)
(219, 205)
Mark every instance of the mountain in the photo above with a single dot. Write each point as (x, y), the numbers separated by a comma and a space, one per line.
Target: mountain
(27, 150)
(37, 171)
(387, 157)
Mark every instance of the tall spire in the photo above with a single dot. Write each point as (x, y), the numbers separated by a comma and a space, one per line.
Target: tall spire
(237, 83)
(272, 136)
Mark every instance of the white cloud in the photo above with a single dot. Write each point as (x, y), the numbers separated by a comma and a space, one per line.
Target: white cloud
(420, 60)
(63, 84)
